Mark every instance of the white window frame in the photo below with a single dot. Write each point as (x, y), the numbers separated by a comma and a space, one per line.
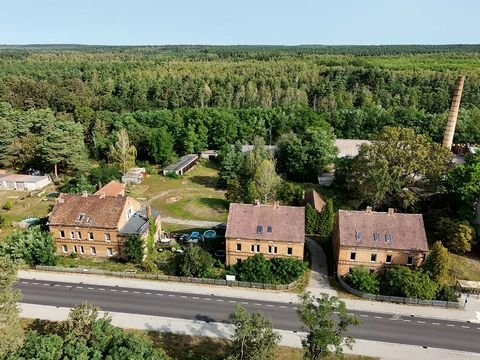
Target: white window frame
(72, 235)
(410, 257)
(108, 238)
(82, 250)
(109, 252)
(61, 233)
(376, 257)
(391, 258)
(93, 250)
(291, 250)
(74, 249)
(64, 249)
(90, 236)
(79, 235)
(237, 247)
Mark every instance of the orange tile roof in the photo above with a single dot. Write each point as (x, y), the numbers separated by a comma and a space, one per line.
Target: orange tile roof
(314, 198)
(113, 188)
(103, 211)
(287, 223)
(373, 229)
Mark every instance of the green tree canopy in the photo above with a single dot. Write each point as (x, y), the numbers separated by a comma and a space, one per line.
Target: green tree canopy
(457, 236)
(405, 282)
(361, 279)
(122, 153)
(196, 262)
(437, 263)
(135, 248)
(160, 146)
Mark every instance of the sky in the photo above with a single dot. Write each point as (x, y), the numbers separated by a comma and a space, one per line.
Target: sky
(231, 22)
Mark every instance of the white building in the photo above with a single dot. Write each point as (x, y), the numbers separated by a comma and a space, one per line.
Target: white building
(23, 182)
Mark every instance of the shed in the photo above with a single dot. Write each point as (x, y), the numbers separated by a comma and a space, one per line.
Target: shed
(134, 176)
(184, 164)
(23, 182)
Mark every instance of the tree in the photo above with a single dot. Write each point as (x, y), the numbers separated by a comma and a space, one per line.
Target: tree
(325, 219)
(104, 174)
(437, 263)
(122, 153)
(33, 245)
(196, 262)
(255, 269)
(405, 282)
(135, 248)
(254, 337)
(361, 279)
(160, 146)
(11, 331)
(457, 236)
(311, 219)
(264, 183)
(78, 185)
(398, 169)
(230, 160)
(80, 323)
(325, 331)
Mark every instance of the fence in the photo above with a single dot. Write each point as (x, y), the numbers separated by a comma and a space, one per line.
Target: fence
(397, 299)
(244, 284)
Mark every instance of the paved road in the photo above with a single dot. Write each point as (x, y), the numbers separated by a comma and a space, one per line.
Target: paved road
(375, 326)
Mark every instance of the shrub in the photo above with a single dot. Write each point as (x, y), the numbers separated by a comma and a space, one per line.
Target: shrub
(172, 175)
(361, 279)
(149, 266)
(196, 262)
(287, 270)
(134, 248)
(405, 282)
(8, 205)
(447, 293)
(437, 263)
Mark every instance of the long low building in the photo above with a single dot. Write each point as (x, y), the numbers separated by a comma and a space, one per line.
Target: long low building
(23, 182)
(183, 164)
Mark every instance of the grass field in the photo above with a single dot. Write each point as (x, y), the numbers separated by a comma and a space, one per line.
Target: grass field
(24, 206)
(192, 196)
(463, 268)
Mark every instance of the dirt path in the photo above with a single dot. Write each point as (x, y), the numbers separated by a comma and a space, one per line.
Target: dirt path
(193, 223)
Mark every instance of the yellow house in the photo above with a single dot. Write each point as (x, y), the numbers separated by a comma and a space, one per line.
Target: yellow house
(376, 240)
(98, 225)
(271, 230)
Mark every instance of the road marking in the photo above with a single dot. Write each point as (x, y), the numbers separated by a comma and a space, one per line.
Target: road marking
(465, 327)
(269, 305)
(113, 290)
(451, 325)
(87, 288)
(435, 323)
(57, 285)
(207, 299)
(125, 291)
(406, 320)
(136, 292)
(244, 302)
(171, 295)
(46, 284)
(101, 289)
(378, 317)
(159, 294)
(195, 298)
(183, 296)
(283, 307)
(219, 300)
(350, 314)
(79, 287)
(68, 286)
(24, 282)
(232, 301)
(257, 304)
(363, 315)
(148, 293)
(421, 322)
(35, 283)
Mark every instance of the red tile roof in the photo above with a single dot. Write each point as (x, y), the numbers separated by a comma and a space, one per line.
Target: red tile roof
(357, 229)
(103, 211)
(113, 188)
(287, 223)
(313, 198)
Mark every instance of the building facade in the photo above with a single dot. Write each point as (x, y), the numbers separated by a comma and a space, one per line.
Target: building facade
(271, 230)
(377, 240)
(98, 225)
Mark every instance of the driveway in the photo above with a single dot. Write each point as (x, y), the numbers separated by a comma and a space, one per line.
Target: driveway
(319, 273)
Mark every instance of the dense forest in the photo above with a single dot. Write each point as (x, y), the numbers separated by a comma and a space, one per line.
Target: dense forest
(199, 97)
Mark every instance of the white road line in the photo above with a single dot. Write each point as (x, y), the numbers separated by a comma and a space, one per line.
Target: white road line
(113, 290)
(451, 325)
(421, 322)
(465, 327)
(219, 300)
(57, 285)
(46, 284)
(159, 294)
(406, 320)
(257, 304)
(79, 287)
(350, 314)
(435, 323)
(269, 305)
(171, 295)
(125, 291)
(136, 292)
(183, 296)
(101, 289)
(478, 328)
(35, 283)
(68, 286)
(24, 282)
(195, 298)
(364, 315)
(378, 317)
(283, 307)
(148, 293)
(244, 302)
(232, 301)
(87, 288)
(207, 299)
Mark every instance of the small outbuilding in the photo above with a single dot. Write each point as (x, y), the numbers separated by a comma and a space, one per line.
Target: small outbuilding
(23, 182)
(184, 164)
(134, 176)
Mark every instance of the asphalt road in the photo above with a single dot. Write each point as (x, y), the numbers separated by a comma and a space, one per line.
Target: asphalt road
(421, 331)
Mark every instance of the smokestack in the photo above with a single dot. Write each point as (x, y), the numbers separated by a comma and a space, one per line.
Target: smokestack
(452, 116)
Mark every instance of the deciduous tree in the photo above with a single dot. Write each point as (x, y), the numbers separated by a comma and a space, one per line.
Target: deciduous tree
(196, 262)
(457, 236)
(437, 263)
(122, 153)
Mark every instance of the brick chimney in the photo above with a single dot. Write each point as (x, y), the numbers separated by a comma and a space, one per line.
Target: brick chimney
(368, 210)
(148, 210)
(391, 211)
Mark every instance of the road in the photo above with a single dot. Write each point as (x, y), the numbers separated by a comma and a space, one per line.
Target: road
(421, 331)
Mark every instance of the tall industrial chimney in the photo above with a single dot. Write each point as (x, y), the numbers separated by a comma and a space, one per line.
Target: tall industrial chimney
(452, 116)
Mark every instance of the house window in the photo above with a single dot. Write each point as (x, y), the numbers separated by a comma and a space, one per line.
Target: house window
(252, 248)
(80, 217)
(74, 248)
(275, 250)
(79, 235)
(272, 249)
(353, 256)
(269, 229)
(72, 235)
(90, 236)
(388, 260)
(93, 251)
(109, 252)
(259, 229)
(239, 261)
(258, 248)
(376, 236)
(62, 234)
(373, 257)
(89, 220)
(107, 238)
(64, 249)
(388, 237)
(289, 251)
(358, 237)
(81, 250)
(239, 247)
(410, 260)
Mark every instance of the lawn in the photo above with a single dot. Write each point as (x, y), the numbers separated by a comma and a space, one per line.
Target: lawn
(24, 206)
(192, 196)
(463, 268)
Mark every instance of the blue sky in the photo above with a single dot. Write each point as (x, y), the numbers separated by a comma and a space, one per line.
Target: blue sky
(136, 22)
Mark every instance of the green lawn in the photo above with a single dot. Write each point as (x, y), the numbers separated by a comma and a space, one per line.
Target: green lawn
(192, 196)
(463, 268)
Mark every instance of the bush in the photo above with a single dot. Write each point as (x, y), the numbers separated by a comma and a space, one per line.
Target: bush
(8, 205)
(134, 248)
(196, 262)
(173, 175)
(34, 246)
(447, 293)
(405, 282)
(287, 270)
(149, 266)
(361, 279)
(2, 221)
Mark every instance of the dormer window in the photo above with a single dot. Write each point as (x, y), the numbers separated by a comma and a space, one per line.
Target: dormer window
(80, 217)
(357, 235)
(89, 220)
(376, 236)
(259, 229)
(269, 229)
(388, 237)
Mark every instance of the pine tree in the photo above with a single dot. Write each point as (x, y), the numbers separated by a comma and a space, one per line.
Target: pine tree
(437, 262)
(325, 219)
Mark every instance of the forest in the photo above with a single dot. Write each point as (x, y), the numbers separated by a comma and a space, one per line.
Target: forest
(191, 98)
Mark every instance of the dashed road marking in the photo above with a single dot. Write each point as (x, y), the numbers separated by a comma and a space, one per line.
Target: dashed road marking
(148, 293)
(421, 322)
(171, 295)
(24, 282)
(465, 327)
(283, 307)
(195, 298)
(183, 296)
(435, 323)
(113, 290)
(68, 286)
(87, 288)
(35, 283)
(363, 315)
(57, 285)
(232, 301)
(450, 325)
(270, 305)
(257, 304)
(159, 294)
(125, 291)
(79, 287)
(101, 289)
(46, 284)
(208, 299)
(136, 292)
(219, 300)
(406, 320)
(244, 302)
(378, 317)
